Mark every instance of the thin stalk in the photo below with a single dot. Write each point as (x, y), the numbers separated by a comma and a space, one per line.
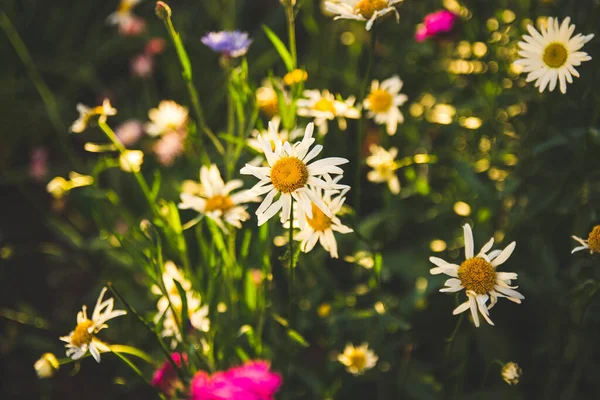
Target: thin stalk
(162, 346)
(290, 16)
(138, 176)
(488, 370)
(186, 72)
(35, 78)
(450, 340)
(230, 161)
(362, 124)
(132, 366)
(291, 261)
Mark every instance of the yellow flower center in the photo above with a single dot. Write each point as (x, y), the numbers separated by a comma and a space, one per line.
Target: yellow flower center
(319, 221)
(324, 105)
(289, 174)
(367, 8)
(81, 335)
(218, 202)
(125, 6)
(555, 55)
(477, 275)
(358, 360)
(380, 100)
(594, 239)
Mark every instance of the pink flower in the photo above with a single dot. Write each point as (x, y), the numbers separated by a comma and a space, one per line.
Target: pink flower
(255, 377)
(38, 167)
(166, 378)
(169, 147)
(142, 66)
(251, 381)
(130, 131)
(155, 46)
(434, 24)
(131, 25)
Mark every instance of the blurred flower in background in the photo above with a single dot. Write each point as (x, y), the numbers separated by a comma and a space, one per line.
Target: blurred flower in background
(550, 57)
(128, 23)
(384, 167)
(323, 107)
(266, 98)
(131, 160)
(129, 132)
(216, 200)
(169, 147)
(230, 44)
(384, 101)
(168, 117)
(46, 366)
(38, 165)
(85, 113)
(359, 359)
(142, 66)
(166, 378)
(434, 24)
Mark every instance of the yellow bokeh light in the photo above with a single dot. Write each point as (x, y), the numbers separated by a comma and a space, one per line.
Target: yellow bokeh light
(471, 122)
(379, 307)
(437, 245)
(416, 110)
(508, 16)
(479, 49)
(461, 208)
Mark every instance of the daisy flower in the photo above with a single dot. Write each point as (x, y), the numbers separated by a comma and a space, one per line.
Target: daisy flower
(384, 101)
(552, 55)
(169, 147)
(478, 276)
(128, 23)
(83, 338)
(384, 167)
(358, 359)
(592, 243)
(323, 107)
(216, 200)
(290, 176)
(362, 10)
(321, 227)
(85, 113)
(229, 44)
(171, 300)
(168, 117)
(273, 134)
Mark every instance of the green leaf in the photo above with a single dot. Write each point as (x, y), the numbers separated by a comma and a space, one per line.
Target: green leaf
(155, 185)
(251, 291)
(280, 47)
(297, 337)
(185, 319)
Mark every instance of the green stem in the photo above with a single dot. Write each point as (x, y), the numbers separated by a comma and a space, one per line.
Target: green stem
(488, 370)
(290, 16)
(186, 72)
(124, 349)
(35, 77)
(291, 261)
(230, 161)
(162, 346)
(362, 124)
(138, 176)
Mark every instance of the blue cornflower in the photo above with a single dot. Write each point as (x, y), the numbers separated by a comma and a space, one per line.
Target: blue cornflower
(230, 44)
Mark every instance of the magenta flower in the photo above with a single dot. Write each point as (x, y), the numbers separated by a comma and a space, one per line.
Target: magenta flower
(434, 24)
(251, 381)
(166, 379)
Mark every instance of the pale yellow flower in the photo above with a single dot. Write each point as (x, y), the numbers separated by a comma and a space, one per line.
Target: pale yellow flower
(359, 359)
(46, 366)
(85, 113)
(511, 373)
(131, 160)
(384, 167)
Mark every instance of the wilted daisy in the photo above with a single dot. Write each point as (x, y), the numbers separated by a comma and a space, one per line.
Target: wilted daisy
(321, 227)
(85, 113)
(323, 107)
(358, 359)
(384, 167)
(478, 276)
(592, 243)
(511, 373)
(216, 200)
(229, 44)
(168, 117)
(83, 338)
(362, 10)
(290, 176)
(384, 101)
(552, 55)
(171, 301)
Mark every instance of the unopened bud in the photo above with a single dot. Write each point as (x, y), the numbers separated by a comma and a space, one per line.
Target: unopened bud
(163, 11)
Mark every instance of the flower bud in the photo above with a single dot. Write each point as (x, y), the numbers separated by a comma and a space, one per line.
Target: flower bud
(163, 11)
(46, 366)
